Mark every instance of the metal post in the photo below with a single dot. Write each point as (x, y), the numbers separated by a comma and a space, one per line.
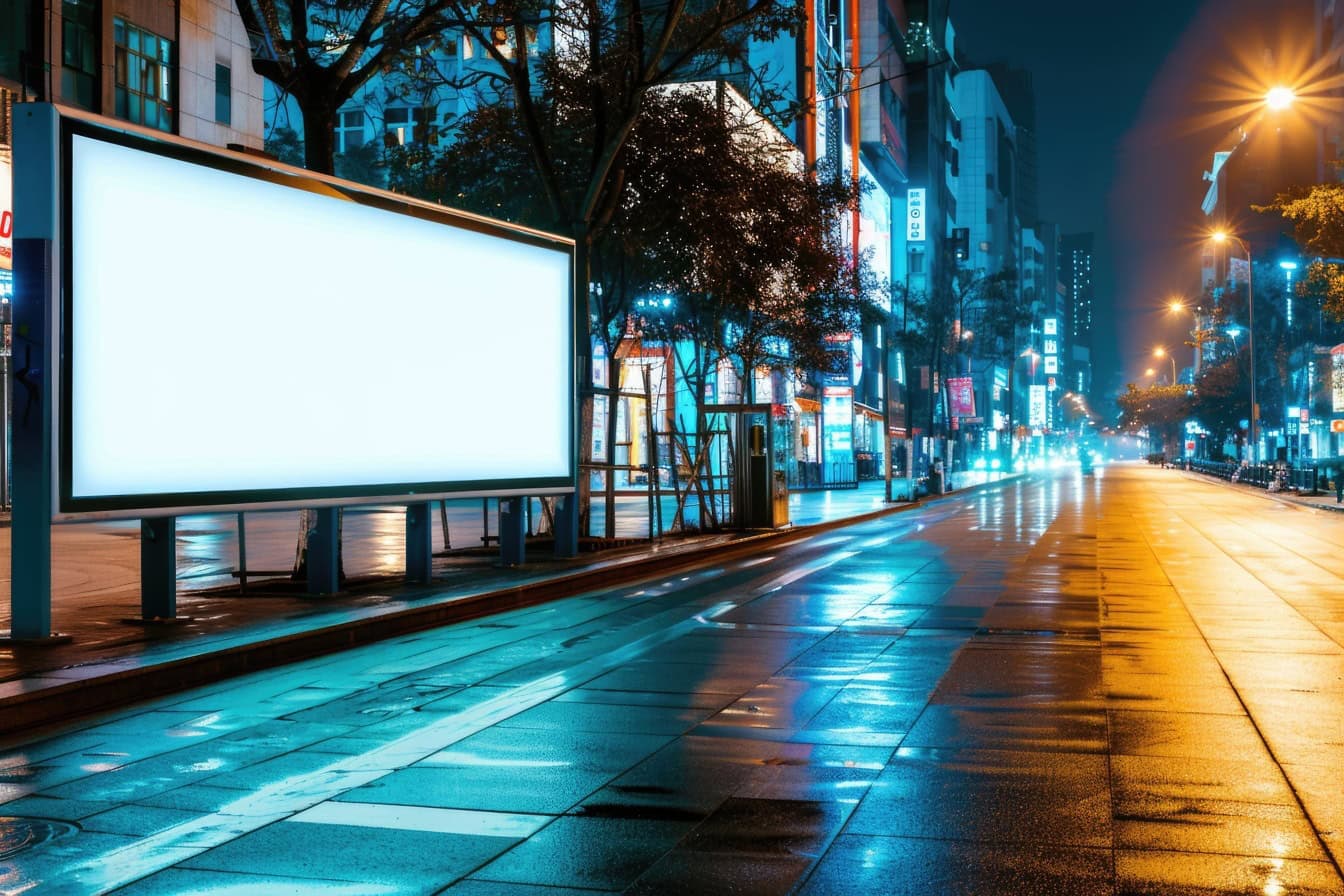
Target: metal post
(242, 554)
(419, 544)
(1250, 339)
(37, 160)
(158, 570)
(512, 532)
(324, 553)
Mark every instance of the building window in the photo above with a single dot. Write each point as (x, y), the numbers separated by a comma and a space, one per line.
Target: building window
(79, 52)
(403, 126)
(350, 130)
(916, 262)
(144, 76)
(223, 94)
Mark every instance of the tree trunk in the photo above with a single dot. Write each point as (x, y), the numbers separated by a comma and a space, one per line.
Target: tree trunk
(319, 141)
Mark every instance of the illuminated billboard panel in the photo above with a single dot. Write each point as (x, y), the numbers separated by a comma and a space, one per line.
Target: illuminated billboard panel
(235, 335)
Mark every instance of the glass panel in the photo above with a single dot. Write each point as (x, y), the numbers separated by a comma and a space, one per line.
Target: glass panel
(165, 83)
(119, 32)
(133, 38)
(69, 42)
(121, 67)
(165, 50)
(151, 114)
(133, 109)
(150, 71)
(149, 44)
(121, 102)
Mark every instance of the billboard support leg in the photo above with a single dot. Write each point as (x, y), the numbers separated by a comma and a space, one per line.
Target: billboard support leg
(158, 571)
(419, 544)
(566, 525)
(324, 553)
(30, 532)
(512, 531)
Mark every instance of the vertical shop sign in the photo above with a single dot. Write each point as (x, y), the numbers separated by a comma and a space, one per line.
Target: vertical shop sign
(1036, 415)
(1337, 379)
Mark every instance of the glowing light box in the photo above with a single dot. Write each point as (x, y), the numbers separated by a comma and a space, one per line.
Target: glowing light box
(238, 335)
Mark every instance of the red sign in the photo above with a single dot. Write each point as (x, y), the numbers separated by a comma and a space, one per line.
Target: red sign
(961, 396)
(1337, 425)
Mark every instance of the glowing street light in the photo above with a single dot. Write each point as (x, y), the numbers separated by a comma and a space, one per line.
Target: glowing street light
(1163, 352)
(1280, 98)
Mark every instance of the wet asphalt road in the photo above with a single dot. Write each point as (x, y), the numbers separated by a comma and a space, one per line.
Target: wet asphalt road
(1129, 683)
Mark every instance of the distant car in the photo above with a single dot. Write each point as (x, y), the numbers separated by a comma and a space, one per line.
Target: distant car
(1086, 463)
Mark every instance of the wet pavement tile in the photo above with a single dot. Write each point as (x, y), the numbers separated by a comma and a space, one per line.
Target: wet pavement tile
(175, 882)
(136, 821)
(677, 678)
(859, 865)
(871, 707)
(776, 703)
(1191, 735)
(1009, 728)
(409, 860)
(683, 871)
(997, 673)
(996, 797)
(711, 702)
(519, 788)
(1155, 873)
(49, 807)
(1169, 693)
(598, 717)
(1208, 826)
(1142, 781)
(587, 852)
(471, 887)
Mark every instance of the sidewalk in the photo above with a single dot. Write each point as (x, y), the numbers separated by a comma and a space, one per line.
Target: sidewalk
(1324, 501)
(112, 658)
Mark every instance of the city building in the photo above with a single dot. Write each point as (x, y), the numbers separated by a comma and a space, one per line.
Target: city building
(1075, 272)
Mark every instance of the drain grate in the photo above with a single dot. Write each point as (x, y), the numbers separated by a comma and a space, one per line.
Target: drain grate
(22, 834)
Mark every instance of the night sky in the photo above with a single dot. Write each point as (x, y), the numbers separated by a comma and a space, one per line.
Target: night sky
(1132, 101)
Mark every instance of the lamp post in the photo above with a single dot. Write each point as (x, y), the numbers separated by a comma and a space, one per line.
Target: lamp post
(1160, 352)
(1177, 306)
(1222, 236)
(1012, 398)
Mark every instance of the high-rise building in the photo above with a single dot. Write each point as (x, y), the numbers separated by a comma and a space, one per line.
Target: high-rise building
(987, 187)
(1075, 266)
(1019, 95)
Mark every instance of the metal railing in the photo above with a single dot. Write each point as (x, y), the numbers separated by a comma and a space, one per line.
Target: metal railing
(804, 475)
(1300, 479)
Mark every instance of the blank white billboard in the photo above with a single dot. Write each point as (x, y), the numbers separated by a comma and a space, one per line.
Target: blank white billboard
(234, 339)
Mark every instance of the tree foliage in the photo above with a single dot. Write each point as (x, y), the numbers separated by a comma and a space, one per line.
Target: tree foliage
(321, 52)
(1317, 213)
(740, 241)
(1222, 398)
(1162, 410)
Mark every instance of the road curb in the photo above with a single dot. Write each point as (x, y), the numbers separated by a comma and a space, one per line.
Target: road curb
(53, 698)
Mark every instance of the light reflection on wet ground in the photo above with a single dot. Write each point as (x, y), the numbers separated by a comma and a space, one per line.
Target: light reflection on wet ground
(1073, 686)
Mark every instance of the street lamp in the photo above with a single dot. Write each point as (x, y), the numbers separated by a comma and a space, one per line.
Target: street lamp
(1280, 98)
(1220, 237)
(1177, 306)
(1160, 352)
(1012, 397)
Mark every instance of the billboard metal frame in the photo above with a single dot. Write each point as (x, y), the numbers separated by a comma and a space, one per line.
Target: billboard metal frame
(67, 506)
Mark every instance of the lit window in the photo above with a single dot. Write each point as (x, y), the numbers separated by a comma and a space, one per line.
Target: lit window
(144, 71)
